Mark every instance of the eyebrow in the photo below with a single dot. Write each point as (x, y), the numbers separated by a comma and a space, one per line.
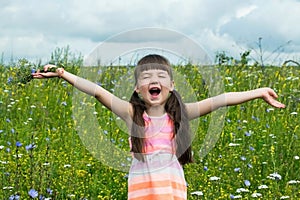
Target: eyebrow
(149, 73)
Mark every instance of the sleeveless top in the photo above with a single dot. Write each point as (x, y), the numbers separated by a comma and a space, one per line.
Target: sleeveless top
(160, 176)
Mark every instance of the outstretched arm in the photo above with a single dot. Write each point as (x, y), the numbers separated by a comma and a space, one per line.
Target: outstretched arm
(206, 106)
(120, 107)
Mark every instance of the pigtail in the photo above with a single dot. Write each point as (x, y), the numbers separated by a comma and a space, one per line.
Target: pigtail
(138, 125)
(178, 113)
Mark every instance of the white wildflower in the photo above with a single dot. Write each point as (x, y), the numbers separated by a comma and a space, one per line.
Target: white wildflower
(272, 136)
(8, 188)
(214, 178)
(239, 190)
(237, 197)
(263, 187)
(18, 155)
(274, 176)
(293, 182)
(295, 78)
(234, 144)
(198, 193)
(285, 197)
(256, 195)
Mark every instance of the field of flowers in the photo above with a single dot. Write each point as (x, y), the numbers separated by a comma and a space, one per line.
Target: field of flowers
(42, 155)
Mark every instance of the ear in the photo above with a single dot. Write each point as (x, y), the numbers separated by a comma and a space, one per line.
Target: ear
(172, 87)
(136, 89)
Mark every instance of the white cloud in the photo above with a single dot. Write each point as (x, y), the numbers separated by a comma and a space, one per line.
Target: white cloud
(34, 29)
(243, 12)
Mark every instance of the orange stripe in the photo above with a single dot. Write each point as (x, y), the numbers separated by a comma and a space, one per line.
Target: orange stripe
(157, 197)
(156, 184)
(156, 177)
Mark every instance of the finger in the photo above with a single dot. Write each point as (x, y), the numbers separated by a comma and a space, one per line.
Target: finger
(277, 104)
(39, 76)
(273, 93)
(48, 66)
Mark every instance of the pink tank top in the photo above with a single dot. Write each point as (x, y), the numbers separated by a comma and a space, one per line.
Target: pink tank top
(159, 136)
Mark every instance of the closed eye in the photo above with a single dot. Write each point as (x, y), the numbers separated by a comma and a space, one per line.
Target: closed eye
(162, 76)
(145, 77)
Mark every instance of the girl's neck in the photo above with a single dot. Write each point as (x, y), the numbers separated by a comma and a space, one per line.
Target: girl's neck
(156, 111)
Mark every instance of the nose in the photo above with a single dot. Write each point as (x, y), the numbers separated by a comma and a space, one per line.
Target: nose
(154, 82)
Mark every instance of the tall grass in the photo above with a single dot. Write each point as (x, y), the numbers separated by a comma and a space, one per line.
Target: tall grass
(42, 154)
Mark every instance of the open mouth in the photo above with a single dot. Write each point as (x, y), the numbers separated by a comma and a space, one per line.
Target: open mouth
(155, 91)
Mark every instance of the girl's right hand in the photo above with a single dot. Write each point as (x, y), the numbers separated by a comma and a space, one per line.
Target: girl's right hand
(46, 73)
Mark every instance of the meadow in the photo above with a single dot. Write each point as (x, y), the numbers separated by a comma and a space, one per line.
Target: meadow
(47, 151)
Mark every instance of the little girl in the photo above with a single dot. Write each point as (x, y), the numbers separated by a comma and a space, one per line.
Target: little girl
(158, 122)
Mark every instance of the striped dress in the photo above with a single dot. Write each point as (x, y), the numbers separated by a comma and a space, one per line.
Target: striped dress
(160, 176)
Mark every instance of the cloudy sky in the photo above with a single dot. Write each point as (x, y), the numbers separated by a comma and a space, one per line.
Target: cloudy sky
(32, 29)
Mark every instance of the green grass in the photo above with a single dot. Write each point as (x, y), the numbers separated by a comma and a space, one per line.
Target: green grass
(77, 158)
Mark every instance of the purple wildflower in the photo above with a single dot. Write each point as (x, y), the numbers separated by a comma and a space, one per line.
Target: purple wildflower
(243, 158)
(247, 183)
(29, 147)
(14, 197)
(237, 169)
(9, 80)
(33, 193)
(49, 191)
(247, 133)
(18, 144)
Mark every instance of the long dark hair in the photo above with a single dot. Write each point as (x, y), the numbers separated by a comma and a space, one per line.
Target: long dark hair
(174, 107)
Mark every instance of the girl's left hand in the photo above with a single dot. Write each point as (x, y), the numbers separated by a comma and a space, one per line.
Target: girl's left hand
(270, 97)
(46, 73)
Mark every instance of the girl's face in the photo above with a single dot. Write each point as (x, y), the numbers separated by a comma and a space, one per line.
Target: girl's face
(154, 86)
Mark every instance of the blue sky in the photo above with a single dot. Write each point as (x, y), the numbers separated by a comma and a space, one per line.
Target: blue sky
(33, 29)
